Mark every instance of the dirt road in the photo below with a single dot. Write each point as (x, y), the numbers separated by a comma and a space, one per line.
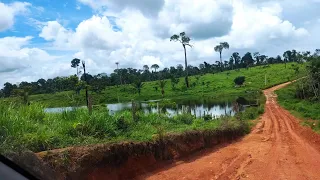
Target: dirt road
(277, 148)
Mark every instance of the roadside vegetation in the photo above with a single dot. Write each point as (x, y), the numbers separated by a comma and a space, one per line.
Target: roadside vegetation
(302, 98)
(29, 127)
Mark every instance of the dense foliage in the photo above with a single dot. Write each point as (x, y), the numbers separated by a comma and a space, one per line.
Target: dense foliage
(309, 87)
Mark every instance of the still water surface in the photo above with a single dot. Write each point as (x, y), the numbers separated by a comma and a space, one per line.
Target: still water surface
(198, 108)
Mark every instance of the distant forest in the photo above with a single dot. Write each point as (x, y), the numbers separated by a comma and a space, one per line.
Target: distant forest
(121, 76)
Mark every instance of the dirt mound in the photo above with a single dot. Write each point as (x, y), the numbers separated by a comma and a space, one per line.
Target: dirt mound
(128, 160)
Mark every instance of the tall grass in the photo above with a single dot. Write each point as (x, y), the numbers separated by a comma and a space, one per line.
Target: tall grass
(29, 127)
(304, 109)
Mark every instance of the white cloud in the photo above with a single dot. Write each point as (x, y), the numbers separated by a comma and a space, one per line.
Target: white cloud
(8, 13)
(20, 63)
(147, 7)
(246, 26)
(128, 32)
(254, 27)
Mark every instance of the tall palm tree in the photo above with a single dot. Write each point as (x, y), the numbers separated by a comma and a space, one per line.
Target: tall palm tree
(146, 68)
(117, 63)
(155, 67)
(75, 64)
(219, 48)
(184, 40)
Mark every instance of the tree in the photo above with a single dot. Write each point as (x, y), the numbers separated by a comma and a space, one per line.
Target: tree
(263, 59)
(162, 84)
(287, 56)
(247, 59)
(184, 40)
(42, 82)
(226, 64)
(294, 55)
(146, 68)
(271, 60)
(236, 58)
(219, 48)
(231, 62)
(138, 85)
(1, 93)
(256, 55)
(239, 80)
(155, 67)
(174, 82)
(75, 64)
(7, 89)
(278, 59)
(117, 71)
(85, 79)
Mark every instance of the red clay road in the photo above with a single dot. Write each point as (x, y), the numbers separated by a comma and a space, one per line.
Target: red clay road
(277, 148)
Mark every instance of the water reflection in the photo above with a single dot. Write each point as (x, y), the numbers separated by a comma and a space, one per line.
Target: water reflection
(199, 108)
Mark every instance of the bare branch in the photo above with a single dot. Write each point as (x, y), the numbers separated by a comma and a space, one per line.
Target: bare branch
(189, 45)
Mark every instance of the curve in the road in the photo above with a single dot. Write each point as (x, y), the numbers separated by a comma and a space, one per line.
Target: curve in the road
(278, 148)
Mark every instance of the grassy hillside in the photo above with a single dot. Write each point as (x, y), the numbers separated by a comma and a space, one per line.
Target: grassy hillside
(215, 86)
(304, 109)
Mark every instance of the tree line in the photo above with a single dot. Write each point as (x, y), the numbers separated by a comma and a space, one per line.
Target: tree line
(309, 86)
(121, 76)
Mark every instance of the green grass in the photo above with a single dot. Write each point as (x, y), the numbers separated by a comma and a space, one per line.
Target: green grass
(303, 109)
(29, 127)
(218, 86)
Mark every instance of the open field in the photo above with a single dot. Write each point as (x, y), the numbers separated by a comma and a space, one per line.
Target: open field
(218, 86)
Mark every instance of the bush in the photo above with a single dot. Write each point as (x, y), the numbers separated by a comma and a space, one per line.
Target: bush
(207, 117)
(184, 118)
(239, 80)
(122, 124)
(250, 113)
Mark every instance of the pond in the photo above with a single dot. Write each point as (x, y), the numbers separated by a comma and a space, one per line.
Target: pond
(199, 108)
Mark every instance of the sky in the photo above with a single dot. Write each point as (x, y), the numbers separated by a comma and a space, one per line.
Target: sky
(39, 38)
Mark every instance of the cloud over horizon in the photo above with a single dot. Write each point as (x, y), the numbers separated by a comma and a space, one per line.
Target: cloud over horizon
(135, 33)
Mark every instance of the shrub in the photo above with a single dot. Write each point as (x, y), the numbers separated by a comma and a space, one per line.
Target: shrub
(122, 124)
(207, 117)
(239, 80)
(185, 118)
(250, 113)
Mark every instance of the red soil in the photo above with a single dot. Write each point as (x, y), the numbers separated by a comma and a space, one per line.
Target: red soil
(278, 148)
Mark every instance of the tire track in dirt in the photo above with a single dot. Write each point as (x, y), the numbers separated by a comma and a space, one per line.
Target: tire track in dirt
(277, 148)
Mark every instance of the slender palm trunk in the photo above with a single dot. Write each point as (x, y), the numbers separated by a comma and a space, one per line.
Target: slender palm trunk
(77, 70)
(186, 65)
(85, 79)
(221, 61)
(285, 63)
